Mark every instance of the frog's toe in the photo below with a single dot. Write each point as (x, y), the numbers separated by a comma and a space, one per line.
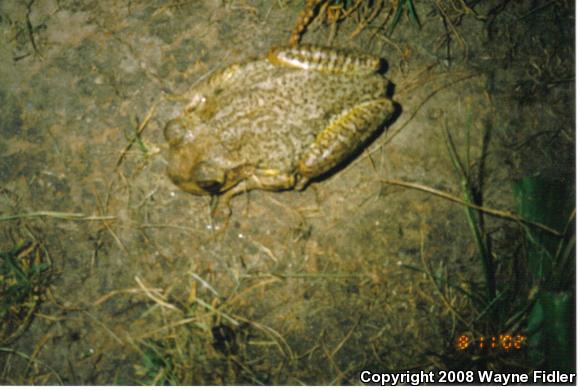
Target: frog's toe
(220, 214)
(302, 183)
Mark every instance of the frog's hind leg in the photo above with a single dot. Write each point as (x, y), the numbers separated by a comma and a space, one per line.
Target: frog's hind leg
(308, 13)
(324, 59)
(345, 134)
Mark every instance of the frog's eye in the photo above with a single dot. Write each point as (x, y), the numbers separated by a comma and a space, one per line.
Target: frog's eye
(174, 132)
(208, 176)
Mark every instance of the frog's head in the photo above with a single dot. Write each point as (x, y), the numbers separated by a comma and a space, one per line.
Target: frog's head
(191, 166)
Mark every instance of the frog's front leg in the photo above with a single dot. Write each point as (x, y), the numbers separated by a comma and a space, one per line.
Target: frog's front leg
(345, 134)
(260, 179)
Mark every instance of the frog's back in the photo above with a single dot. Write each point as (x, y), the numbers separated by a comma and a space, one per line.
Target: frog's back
(273, 113)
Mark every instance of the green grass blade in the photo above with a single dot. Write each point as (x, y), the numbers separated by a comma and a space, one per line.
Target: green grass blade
(411, 10)
(397, 17)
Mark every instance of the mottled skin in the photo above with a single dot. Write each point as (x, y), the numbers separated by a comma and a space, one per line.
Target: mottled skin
(276, 123)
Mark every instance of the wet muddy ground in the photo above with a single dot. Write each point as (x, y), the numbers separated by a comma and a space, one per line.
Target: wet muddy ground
(302, 287)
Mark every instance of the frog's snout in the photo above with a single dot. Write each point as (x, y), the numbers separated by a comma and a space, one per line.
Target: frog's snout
(209, 177)
(174, 132)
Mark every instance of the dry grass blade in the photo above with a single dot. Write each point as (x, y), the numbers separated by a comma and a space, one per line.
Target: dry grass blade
(59, 215)
(493, 212)
(105, 327)
(142, 126)
(205, 284)
(448, 21)
(238, 296)
(280, 341)
(111, 294)
(440, 293)
(377, 7)
(153, 295)
(34, 360)
(196, 321)
(344, 340)
(340, 374)
(216, 311)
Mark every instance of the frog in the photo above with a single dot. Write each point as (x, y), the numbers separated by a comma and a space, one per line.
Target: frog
(277, 122)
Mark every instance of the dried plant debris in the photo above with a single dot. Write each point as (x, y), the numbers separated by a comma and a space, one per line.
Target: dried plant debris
(25, 274)
(332, 13)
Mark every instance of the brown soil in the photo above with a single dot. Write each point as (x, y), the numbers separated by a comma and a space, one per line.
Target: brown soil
(303, 287)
